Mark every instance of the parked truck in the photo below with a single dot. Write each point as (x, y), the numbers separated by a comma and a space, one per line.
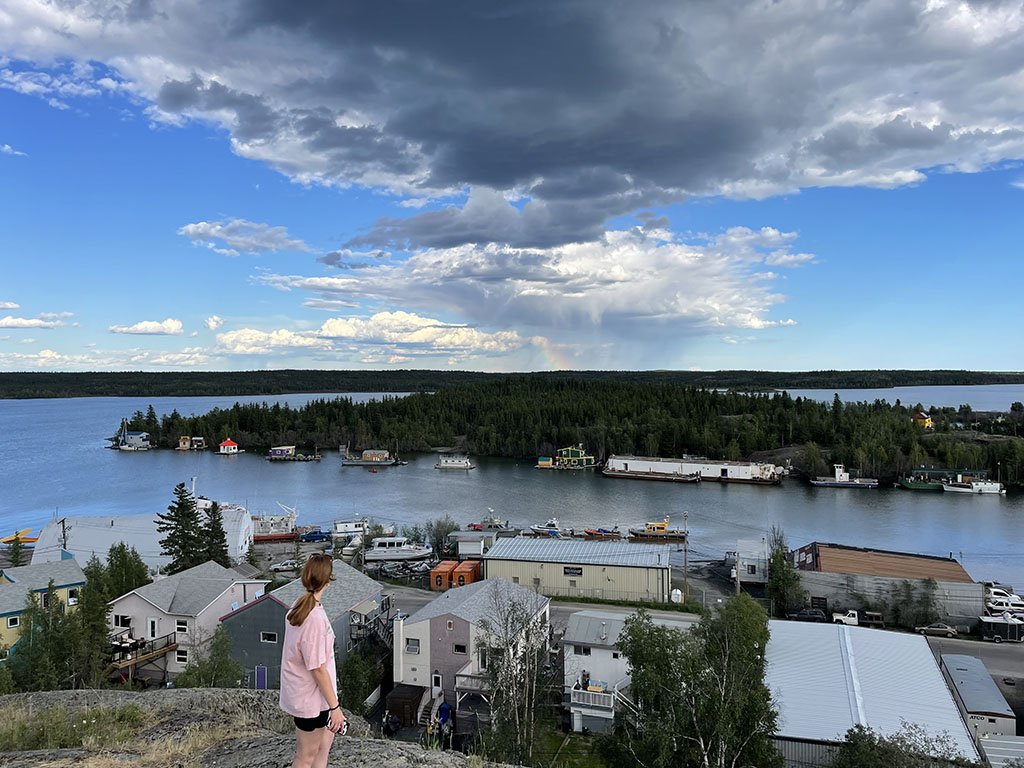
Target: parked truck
(999, 628)
(861, 619)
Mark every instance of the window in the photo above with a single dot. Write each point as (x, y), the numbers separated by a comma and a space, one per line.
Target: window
(483, 659)
(572, 582)
(44, 598)
(615, 654)
(121, 621)
(450, 625)
(13, 621)
(581, 650)
(412, 645)
(459, 649)
(181, 625)
(991, 719)
(181, 656)
(73, 596)
(751, 569)
(268, 637)
(515, 579)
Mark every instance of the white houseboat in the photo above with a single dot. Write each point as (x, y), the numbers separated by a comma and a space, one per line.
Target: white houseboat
(454, 461)
(692, 468)
(975, 486)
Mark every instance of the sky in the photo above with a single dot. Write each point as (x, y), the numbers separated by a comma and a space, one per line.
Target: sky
(513, 186)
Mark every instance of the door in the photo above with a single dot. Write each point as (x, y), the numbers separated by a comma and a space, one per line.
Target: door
(261, 678)
(435, 685)
(154, 627)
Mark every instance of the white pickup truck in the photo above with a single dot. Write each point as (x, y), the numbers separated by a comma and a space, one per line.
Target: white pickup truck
(862, 619)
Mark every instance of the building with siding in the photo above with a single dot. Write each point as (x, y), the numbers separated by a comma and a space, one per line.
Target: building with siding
(982, 706)
(827, 678)
(354, 603)
(17, 582)
(614, 570)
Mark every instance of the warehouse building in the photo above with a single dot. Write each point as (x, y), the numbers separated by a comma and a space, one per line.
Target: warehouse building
(613, 570)
(982, 706)
(827, 678)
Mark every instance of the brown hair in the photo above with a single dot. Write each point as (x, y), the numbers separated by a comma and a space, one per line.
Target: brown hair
(315, 576)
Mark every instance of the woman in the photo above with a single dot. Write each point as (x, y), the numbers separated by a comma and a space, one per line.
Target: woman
(309, 681)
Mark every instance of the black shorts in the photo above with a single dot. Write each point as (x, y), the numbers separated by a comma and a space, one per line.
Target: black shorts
(312, 723)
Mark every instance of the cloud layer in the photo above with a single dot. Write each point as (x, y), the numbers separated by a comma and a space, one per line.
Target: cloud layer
(241, 236)
(169, 327)
(581, 111)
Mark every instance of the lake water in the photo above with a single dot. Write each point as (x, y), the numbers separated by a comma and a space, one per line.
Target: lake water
(988, 397)
(55, 462)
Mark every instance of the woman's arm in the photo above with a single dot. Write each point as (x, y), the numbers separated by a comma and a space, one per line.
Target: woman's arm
(323, 682)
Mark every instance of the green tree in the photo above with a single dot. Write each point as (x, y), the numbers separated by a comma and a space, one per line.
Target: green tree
(784, 586)
(215, 668)
(183, 541)
(16, 553)
(437, 532)
(357, 677)
(251, 557)
(6, 678)
(125, 570)
(41, 660)
(214, 537)
(90, 627)
(700, 697)
(911, 747)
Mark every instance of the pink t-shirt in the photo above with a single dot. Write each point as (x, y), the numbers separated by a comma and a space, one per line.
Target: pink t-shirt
(306, 647)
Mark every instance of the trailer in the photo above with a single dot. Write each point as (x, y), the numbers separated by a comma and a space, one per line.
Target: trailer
(999, 628)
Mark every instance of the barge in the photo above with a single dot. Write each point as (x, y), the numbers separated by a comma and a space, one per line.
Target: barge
(690, 469)
(842, 479)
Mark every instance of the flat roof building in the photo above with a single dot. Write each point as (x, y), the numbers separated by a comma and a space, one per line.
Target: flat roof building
(615, 570)
(982, 706)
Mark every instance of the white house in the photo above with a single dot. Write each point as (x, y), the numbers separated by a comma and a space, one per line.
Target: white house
(228, 447)
(157, 627)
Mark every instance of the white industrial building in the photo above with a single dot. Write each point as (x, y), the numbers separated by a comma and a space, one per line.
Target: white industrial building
(614, 570)
(827, 678)
(653, 468)
(982, 706)
(95, 534)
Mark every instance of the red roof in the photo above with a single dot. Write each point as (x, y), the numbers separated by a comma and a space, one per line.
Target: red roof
(229, 441)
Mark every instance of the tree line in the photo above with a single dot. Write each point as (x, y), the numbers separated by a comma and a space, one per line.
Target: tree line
(235, 383)
(529, 416)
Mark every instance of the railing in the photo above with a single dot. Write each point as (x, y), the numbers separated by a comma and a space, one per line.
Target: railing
(139, 651)
(593, 699)
(468, 682)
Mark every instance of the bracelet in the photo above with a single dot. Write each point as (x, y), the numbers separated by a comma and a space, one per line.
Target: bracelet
(336, 706)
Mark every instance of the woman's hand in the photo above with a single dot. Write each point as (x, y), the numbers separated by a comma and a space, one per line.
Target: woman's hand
(337, 721)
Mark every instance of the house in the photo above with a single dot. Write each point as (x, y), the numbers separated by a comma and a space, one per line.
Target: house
(157, 627)
(184, 443)
(615, 570)
(85, 536)
(923, 420)
(753, 561)
(839, 574)
(228, 447)
(16, 583)
(135, 440)
(282, 452)
(355, 605)
(440, 651)
(596, 673)
(826, 678)
(573, 457)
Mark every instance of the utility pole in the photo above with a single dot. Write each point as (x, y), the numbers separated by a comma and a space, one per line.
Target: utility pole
(63, 533)
(737, 567)
(686, 552)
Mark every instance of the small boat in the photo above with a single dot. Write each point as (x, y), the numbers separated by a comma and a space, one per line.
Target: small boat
(374, 471)
(657, 532)
(975, 486)
(550, 528)
(397, 548)
(454, 461)
(602, 533)
(842, 480)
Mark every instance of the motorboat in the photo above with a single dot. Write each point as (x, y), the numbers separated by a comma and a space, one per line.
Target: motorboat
(550, 528)
(975, 486)
(657, 531)
(396, 548)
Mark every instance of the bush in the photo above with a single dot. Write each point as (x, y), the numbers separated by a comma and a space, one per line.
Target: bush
(21, 730)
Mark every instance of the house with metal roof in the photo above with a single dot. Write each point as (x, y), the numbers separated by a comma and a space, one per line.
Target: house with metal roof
(17, 582)
(83, 537)
(827, 678)
(613, 570)
(355, 605)
(157, 627)
(440, 651)
(982, 706)
(596, 673)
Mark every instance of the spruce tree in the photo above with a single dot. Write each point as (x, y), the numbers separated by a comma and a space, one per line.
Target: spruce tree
(214, 536)
(125, 570)
(183, 540)
(91, 628)
(41, 661)
(16, 553)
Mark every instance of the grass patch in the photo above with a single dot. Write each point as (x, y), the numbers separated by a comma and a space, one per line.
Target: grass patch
(64, 729)
(689, 607)
(579, 752)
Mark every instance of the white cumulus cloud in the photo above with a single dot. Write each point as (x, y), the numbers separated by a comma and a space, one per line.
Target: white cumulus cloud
(213, 322)
(9, 305)
(35, 322)
(241, 236)
(169, 327)
(249, 341)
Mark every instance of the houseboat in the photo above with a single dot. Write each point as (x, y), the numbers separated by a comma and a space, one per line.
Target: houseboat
(691, 469)
(373, 457)
(657, 532)
(454, 461)
(396, 548)
(931, 479)
(975, 486)
(842, 479)
(573, 457)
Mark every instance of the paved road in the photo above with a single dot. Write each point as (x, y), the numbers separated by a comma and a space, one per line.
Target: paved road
(1002, 660)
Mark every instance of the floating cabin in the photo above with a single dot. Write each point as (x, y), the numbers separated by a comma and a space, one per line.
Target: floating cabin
(228, 447)
(282, 452)
(574, 457)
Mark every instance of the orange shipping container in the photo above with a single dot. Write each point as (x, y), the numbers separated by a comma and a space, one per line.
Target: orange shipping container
(441, 575)
(466, 573)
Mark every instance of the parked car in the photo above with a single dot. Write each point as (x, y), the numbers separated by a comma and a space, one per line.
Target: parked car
(938, 628)
(997, 593)
(315, 535)
(807, 614)
(859, 619)
(286, 565)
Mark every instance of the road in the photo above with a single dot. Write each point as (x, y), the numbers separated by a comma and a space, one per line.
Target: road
(1001, 660)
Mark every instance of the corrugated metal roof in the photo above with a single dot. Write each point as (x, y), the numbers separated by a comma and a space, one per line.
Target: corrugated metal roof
(350, 588)
(826, 678)
(581, 552)
(35, 577)
(478, 601)
(1001, 749)
(603, 627)
(977, 689)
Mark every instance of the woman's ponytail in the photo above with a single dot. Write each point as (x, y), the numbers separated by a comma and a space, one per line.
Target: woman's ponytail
(315, 576)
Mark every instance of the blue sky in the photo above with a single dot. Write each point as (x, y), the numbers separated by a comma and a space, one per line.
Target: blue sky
(324, 187)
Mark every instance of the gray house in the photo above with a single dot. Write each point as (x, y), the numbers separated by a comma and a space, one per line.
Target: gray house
(354, 603)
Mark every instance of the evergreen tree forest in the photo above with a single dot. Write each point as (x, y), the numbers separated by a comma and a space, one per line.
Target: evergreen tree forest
(529, 416)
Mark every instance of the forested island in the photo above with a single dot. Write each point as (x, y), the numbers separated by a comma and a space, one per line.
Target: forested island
(529, 416)
(234, 383)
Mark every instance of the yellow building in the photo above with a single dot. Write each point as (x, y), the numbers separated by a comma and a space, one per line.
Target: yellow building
(923, 420)
(16, 583)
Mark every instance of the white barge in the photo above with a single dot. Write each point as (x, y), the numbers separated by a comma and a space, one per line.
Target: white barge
(691, 468)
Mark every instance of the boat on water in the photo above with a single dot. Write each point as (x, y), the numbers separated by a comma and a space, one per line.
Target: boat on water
(689, 469)
(454, 461)
(373, 457)
(550, 528)
(657, 531)
(610, 534)
(975, 486)
(396, 548)
(842, 479)
(672, 477)
(918, 483)
(573, 457)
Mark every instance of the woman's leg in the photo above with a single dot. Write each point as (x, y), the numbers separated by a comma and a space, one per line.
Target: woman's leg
(326, 739)
(307, 743)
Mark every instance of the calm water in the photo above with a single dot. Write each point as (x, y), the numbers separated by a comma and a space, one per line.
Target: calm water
(989, 397)
(54, 459)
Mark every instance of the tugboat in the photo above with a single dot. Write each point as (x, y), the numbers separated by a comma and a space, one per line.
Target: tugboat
(842, 480)
(657, 532)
